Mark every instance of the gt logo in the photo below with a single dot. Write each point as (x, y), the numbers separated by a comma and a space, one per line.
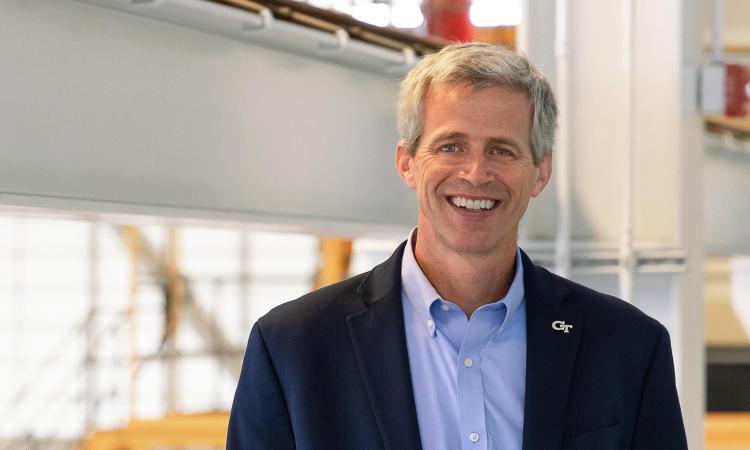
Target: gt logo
(559, 325)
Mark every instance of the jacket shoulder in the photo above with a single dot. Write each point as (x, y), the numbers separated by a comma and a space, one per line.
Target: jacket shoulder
(314, 309)
(608, 311)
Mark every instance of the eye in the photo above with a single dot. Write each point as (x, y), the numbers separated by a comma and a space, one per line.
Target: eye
(502, 151)
(449, 148)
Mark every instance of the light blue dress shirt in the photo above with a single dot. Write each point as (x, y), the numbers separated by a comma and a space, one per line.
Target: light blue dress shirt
(469, 376)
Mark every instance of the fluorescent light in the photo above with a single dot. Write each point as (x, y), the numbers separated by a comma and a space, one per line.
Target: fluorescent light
(495, 13)
(406, 14)
(345, 8)
(377, 14)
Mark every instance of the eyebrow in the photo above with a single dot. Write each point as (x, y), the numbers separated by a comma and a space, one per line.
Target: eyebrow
(505, 141)
(452, 135)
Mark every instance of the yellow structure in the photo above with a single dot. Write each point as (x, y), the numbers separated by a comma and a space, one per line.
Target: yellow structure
(727, 431)
(205, 430)
(724, 431)
(335, 255)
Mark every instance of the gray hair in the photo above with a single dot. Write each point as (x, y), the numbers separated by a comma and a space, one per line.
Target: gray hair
(481, 66)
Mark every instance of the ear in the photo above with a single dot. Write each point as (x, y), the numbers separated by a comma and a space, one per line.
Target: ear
(404, 165)
(545, 172)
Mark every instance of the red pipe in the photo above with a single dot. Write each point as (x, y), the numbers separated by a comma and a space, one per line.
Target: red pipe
(449, 19)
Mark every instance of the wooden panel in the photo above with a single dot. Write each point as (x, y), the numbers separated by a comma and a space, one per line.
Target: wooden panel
(727, 431)
(181, 431)
(724, 431)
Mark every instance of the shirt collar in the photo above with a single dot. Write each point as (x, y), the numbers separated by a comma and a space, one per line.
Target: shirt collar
(418, 290)
(421, 294)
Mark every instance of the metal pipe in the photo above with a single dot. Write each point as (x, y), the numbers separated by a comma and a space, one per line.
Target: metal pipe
(626, 273)
(562, 161)
(409, 60)
(387, 36)
(134, 251)
(341, 39)
(173, 310)
(448, 19)
(266, 20)
(291, 25)
(717, 37)
(243, 288)
(92, 384)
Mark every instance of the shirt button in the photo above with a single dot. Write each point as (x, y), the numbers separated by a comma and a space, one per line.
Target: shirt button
(474, 437)
(468, 363)
(431, 324)
(445, 308)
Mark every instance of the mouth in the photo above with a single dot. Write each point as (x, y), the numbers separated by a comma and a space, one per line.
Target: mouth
(472, 204)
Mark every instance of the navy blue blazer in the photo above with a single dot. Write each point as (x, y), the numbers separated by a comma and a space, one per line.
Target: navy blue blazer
(330, 371)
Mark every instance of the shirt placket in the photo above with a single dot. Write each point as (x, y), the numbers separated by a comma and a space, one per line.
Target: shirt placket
(469, 388)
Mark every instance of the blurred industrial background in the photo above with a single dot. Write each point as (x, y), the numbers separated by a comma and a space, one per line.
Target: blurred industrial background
(170, 170)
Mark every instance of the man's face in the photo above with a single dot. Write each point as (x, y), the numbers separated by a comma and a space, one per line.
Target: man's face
(473, 170)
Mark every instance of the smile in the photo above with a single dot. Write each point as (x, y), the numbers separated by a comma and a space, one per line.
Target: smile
(473, 204)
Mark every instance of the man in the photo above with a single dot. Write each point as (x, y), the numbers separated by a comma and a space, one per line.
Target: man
(459, 341)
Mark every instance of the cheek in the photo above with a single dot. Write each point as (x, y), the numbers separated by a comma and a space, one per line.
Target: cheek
(528, 178)
(426, 180)
(428, 188)
(519, 185)
(411, 176)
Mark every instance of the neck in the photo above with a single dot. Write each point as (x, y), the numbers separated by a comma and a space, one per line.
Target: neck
(469, 280)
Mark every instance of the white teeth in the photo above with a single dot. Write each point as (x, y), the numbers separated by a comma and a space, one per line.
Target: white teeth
(472, 204)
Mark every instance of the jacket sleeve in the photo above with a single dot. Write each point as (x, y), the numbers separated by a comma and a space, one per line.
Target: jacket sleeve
(259, 419)
(659, 423)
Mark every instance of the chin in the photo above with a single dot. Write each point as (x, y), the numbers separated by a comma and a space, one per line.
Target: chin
(475, 245)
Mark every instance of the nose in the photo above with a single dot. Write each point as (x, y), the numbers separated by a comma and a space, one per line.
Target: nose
(475, 169)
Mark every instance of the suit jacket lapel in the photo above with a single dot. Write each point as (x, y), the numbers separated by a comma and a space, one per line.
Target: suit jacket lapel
(550, 357)
(376, 329)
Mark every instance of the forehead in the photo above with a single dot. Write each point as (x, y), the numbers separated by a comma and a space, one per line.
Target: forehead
(477, 111)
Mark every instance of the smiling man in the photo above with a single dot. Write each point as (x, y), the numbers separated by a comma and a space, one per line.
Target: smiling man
(458, 341)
